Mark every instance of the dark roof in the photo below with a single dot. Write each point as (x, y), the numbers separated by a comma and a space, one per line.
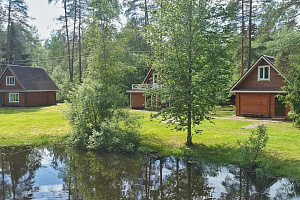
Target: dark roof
(32, 78)
(271, 59)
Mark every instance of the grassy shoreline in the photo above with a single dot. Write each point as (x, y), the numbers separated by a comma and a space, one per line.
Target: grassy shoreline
(217, 142)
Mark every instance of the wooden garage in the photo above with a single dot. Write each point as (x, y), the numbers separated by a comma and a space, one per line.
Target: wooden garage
(257, 90)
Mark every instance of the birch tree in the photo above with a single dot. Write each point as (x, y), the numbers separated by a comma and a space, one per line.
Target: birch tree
(191, 60)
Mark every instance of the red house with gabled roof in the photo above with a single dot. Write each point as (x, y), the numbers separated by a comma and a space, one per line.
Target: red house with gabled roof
(138, 97)
(256, 90)
(26, 86)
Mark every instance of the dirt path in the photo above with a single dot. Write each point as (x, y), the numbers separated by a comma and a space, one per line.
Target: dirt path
(256, 121)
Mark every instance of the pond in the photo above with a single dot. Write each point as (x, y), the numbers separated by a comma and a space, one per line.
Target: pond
(60, 172)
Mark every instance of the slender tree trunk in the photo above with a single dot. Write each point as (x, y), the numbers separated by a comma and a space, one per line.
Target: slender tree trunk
(146, 23)
(189, 181)
(12, 176)
(161, 178)
(3, 177)
(189, 82)
(68, 41)
(242, 40)
(189, 134)
(146, 182)
(79, 43)
(74, 36)
(177, 179)
(7, 49)
(249, 35)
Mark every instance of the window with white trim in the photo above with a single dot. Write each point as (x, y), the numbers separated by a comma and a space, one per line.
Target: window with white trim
(13, 97)
(263, 73)
(10, 80)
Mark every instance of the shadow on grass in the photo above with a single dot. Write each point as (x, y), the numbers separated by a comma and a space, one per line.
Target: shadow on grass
(215, 153)
(17, 110)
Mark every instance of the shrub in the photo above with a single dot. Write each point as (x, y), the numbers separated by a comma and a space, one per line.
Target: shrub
(116, 136)
(252, 147)
(97, 120)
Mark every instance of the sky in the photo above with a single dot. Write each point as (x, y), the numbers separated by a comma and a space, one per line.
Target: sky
(45, 16)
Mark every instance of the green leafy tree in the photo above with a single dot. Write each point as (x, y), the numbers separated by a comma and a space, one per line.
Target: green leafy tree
(16, 13)
(289, 59)
(136, 52)
(95, 105)
(191, 59)
(55, 62)
(252, 147)
(98, 122)
(293, 99)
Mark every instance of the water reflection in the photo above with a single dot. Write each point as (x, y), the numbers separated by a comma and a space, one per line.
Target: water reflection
(63, 173)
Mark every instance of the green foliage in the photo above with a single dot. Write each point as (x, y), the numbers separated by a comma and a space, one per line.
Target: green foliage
(293, 100)
(97, 121)
(191, 59)
(289, 60)
(118, 135)
(252, 147)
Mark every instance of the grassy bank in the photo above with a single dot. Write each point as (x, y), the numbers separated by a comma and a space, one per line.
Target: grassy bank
(217, 142)
(32, 126)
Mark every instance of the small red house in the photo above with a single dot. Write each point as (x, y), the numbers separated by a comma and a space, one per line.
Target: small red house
(138, 97)
(26, 86)
(256, 90)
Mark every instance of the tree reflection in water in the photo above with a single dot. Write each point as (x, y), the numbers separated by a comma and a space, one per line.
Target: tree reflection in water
(62, 172)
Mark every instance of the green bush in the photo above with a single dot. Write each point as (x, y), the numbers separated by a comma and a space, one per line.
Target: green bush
(114, 137)
(97, 120)
(252, 147)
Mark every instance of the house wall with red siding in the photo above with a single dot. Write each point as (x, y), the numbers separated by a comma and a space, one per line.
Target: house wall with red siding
(5, 99)
(257, 103)
(40, 98)
(251, 82)
(31, 99)
(254, 103)
(137, 100)
(8, 87)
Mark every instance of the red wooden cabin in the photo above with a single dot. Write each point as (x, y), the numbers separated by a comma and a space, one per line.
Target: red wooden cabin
(138, 97)
(256, 91)
(26, 86)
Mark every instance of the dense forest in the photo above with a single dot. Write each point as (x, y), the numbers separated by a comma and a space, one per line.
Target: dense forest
(92, 45)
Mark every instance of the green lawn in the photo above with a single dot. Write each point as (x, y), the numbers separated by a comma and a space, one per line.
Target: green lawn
(217, 142)
(33, 125)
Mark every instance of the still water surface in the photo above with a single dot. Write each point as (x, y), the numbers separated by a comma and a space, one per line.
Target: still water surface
(60, 172)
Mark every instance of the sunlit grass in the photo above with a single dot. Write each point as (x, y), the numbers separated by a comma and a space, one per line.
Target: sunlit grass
(218, 140)
(216, 143)
(32, 125)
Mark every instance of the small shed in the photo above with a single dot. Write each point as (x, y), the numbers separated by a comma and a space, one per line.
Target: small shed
(138, 97)
(257, 90)
(26, 86)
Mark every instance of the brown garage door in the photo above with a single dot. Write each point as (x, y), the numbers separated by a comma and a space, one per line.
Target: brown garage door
(254, 103)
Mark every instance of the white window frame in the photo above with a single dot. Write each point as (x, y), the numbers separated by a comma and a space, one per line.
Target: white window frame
(13, 100)
(258, 73)
(8, 80)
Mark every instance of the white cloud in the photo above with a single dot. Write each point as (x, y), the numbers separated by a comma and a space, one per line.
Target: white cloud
(45, 16)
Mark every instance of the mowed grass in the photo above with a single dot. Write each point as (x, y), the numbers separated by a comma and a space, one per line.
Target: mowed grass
(32, 125)
(218, 141)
